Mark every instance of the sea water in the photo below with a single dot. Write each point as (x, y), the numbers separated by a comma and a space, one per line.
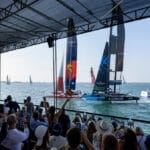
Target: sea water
(140, 110)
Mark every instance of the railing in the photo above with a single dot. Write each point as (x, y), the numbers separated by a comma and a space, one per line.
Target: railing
(104, 115)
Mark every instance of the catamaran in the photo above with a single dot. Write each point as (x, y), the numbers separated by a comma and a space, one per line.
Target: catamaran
(70, 68)
(105, 87)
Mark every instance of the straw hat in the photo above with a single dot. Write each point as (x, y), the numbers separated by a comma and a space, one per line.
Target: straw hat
(104, 127)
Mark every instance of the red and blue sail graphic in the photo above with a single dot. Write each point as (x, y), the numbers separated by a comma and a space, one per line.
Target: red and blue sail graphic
(71, 57)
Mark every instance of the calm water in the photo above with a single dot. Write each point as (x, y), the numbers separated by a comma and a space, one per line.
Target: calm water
(20, 91)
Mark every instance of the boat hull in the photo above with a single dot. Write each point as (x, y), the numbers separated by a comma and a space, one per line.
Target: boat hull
(93, 97)
(110, 97)
(62, 96)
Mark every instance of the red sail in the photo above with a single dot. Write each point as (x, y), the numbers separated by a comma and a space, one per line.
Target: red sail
(92, 76)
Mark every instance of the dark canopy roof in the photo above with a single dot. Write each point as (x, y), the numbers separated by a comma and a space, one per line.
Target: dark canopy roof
(28, 22)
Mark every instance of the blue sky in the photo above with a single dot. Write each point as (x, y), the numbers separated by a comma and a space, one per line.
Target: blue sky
(37, 60)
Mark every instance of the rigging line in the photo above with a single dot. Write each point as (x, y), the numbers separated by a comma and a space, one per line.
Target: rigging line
(55, 45)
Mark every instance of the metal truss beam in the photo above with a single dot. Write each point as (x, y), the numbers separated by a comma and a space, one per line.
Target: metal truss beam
(15, 7)
(104, 23)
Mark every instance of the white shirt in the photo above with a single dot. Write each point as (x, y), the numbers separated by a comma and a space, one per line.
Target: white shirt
(15, 138)
(57, 141)
(141, 140)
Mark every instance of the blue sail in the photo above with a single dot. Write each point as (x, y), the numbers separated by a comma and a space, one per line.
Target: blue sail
(71, 57)
(101, 83)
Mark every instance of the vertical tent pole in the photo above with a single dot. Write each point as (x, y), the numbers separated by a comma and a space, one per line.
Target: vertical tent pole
(55, 47)
(0, 76)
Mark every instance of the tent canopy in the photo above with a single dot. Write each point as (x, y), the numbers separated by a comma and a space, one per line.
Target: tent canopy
(28, 22)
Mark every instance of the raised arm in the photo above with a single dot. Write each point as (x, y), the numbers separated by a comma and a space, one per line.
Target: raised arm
(62, 108)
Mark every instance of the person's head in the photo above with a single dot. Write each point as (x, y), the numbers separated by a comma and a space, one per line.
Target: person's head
(91, 127)
(57, 129)
(42, 135)
(52, 110)
(115, 125)
(36, 115)
(28, 98)
(76, 119)
(74, 137)
(109, 142)
(130, 140)
(139, 131)
(9, 98)
(44, 99)
(11, 120)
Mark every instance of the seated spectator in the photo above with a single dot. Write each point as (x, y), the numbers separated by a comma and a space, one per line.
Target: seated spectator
(14, 138)
(42, 135)
(140, 138)
(56, 140)
(109, 142)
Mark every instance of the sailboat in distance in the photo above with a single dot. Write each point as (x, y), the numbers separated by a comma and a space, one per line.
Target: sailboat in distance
(7, 80)
(68, 90)
(92, 76)
(30, 79)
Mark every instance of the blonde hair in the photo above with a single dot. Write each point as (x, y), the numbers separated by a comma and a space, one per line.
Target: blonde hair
(11, 120)
(139, 131)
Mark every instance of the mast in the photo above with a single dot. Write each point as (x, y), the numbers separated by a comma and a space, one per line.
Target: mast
(117, 42)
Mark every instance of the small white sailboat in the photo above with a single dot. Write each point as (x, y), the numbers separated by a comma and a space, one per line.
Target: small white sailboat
(145, 93)
(7, 80)
(30, 80)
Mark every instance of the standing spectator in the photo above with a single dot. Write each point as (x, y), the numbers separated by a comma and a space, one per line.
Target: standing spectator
(75, 137)
(56, 140)
(44, 103)
(129, 142)
(13, 105)
(64, 120)
(30, 106)
(140, 138)
(54, 117)
(42, 136)
(109, 142)
(14, 138)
